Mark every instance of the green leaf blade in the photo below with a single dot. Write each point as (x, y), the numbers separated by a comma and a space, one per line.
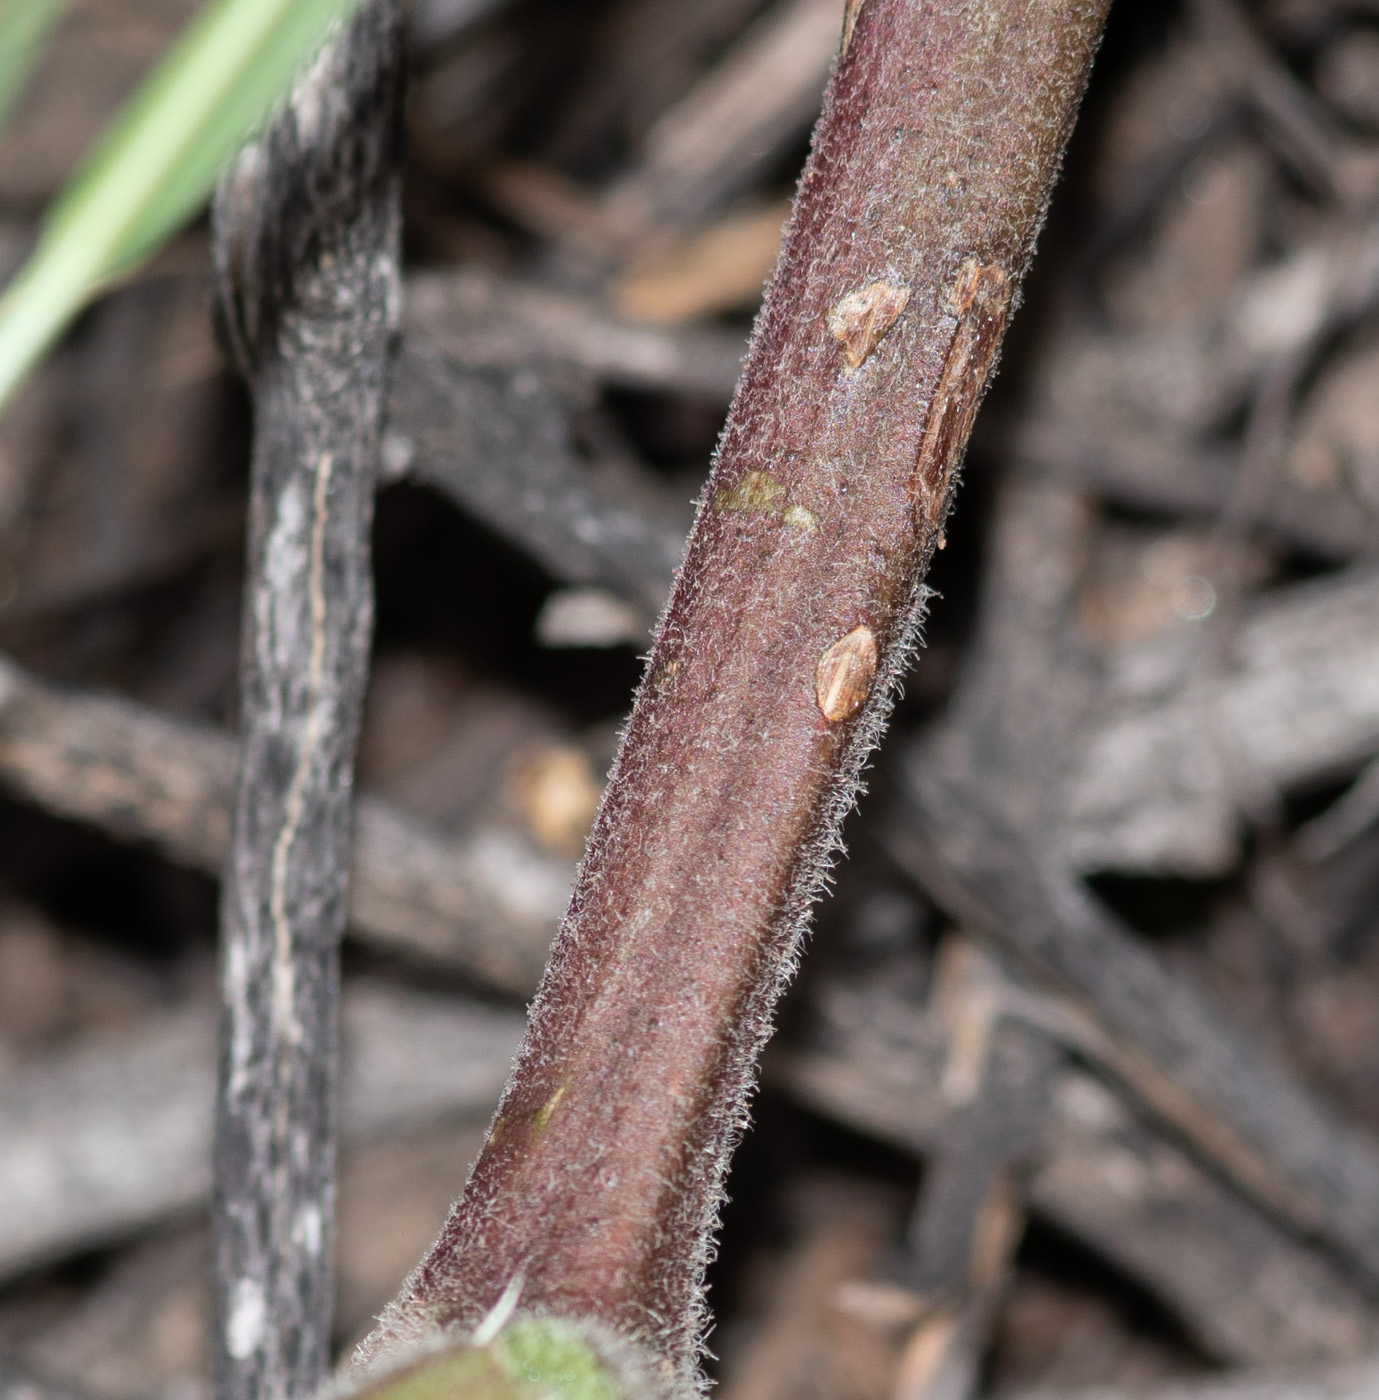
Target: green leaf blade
(158, 161)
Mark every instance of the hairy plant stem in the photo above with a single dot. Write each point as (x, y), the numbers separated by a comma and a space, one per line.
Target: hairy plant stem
(795, 613)
(307, 237)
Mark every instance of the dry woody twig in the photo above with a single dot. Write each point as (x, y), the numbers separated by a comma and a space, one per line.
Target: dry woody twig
(307, 246)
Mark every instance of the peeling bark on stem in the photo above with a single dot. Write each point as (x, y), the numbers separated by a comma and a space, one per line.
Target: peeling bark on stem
(307, 256)
(795, 613)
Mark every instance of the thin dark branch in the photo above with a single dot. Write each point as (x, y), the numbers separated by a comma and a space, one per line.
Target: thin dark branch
(498, 442)
(478, 320)
(1174, 474)
(732, 124)
(1304, 133)
(18, 1383)
(105, 1140)
(969, 1216)
(1162, 784)
(1104, 1174)
(483, 901)
(986, 847)
(1357, 1382)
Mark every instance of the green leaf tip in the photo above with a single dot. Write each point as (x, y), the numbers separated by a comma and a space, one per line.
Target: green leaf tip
(158, 161)
(531, 1358)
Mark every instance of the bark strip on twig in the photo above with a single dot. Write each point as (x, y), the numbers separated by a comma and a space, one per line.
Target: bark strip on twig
(794, 614)
(307, 253)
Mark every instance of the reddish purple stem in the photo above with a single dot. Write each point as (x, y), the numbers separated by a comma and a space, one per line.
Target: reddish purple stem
(795, 613)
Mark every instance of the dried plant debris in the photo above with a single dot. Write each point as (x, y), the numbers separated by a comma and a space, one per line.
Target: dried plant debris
(988, 1163)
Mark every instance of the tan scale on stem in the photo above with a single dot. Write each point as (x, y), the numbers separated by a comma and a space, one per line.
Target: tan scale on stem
(795, 613)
